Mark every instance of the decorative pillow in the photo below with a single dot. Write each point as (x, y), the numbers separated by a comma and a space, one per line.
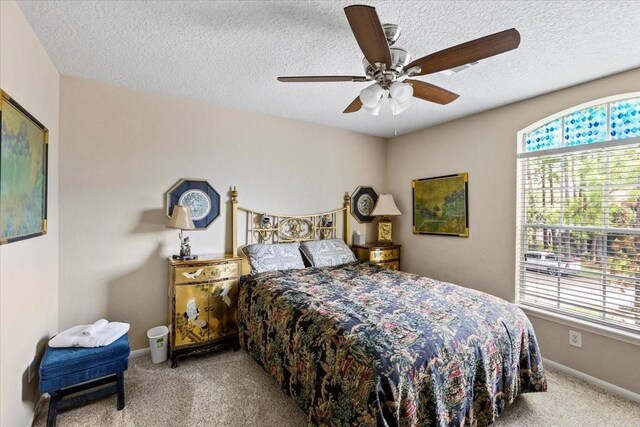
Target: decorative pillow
(326, 253)
(272, 257)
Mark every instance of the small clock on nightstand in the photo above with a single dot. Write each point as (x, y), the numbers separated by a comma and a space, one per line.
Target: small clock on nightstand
(384, 231)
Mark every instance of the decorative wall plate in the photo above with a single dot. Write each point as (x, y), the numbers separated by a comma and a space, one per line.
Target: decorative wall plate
(200, 197)
(362, 202)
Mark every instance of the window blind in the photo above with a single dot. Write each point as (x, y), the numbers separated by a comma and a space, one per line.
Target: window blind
(578, 237)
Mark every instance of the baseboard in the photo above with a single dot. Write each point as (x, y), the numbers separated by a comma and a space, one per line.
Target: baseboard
(611, 388)
(139, 353)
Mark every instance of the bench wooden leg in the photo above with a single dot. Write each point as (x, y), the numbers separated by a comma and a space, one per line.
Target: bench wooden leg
(60, 400)
(120, 390)
(53, 410)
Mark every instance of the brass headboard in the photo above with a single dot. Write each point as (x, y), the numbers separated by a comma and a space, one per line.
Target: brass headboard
(264, 227)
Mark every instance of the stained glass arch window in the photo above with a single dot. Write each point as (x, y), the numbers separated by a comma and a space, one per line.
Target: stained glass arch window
(592, 123)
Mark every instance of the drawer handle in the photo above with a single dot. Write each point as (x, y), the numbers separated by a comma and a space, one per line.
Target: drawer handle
(194, 274)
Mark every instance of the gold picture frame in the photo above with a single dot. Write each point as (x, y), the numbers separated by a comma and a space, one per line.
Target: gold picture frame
(23, 173)
(441, 205)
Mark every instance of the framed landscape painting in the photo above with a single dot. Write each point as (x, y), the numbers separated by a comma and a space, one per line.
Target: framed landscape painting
(23, 173)
(441, 206)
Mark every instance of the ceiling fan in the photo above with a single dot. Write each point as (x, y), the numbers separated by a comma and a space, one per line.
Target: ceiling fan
(390, 66)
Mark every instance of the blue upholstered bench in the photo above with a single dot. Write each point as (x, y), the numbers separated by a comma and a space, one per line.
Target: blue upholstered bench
(66, 371)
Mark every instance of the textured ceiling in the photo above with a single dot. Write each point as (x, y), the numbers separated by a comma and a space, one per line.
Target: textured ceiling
(230, 53)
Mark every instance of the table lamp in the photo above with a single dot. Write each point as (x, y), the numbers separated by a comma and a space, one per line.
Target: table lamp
(385, 207)
(181, 219)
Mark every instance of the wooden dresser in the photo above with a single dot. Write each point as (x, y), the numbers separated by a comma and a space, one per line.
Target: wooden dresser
(387, 256)
(203, 305)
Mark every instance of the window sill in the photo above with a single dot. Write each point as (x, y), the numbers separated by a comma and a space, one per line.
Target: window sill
(627, 337)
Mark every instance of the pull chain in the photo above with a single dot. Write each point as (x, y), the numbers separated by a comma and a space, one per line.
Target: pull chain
(395, 125)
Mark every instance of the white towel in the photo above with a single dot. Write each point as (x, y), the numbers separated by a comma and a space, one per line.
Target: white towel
(73, 337)
(92, 329)
(68, 338)
(105, 336)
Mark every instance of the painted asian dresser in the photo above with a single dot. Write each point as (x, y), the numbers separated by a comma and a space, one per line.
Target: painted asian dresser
(203, 305)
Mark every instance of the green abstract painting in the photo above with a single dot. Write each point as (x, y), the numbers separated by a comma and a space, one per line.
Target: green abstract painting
(23, 173)
(440, 205)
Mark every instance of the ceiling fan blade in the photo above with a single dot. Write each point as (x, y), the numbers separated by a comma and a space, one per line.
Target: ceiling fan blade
(354, 106)
(431, 93)
(468, 52)
(369, 34)
(310, 79)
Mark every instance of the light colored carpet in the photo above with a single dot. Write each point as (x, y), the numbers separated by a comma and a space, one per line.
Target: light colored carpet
(230, 389)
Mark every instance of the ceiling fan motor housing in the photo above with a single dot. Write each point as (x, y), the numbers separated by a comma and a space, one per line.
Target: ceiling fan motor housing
(399, 58)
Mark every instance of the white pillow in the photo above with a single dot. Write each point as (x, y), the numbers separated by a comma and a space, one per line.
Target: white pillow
(273, 257)
(326, 253)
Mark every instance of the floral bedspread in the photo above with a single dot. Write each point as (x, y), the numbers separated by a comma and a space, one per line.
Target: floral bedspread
(360, 345)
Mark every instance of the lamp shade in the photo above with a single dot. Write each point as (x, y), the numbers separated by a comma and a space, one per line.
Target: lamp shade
(181, 218)
(385, 206)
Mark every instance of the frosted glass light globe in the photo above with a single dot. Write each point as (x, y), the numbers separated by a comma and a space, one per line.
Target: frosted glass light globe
(374, 110)
(401, 92)
(370, 96)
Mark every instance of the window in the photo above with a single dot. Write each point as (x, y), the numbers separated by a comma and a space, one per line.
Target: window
(578, 213)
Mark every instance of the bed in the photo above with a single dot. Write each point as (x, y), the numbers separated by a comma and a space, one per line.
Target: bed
(356, 344)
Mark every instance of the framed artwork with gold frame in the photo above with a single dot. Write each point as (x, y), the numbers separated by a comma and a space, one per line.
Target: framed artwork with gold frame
(441, 205)
(23, 173)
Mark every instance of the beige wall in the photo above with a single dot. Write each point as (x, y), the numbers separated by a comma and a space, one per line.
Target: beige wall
(484, 145)
(123, 149)
(28, 269)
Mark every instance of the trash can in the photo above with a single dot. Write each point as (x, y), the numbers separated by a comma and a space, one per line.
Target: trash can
(158, 343)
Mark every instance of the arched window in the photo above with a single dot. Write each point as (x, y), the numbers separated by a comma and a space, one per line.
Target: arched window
(578, 213)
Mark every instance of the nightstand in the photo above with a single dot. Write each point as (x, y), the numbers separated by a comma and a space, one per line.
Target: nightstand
(203, 305)
(387, 256)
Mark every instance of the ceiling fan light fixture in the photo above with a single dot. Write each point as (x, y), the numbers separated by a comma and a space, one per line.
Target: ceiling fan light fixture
(374, 111)
(401, 92)
(371, 95)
